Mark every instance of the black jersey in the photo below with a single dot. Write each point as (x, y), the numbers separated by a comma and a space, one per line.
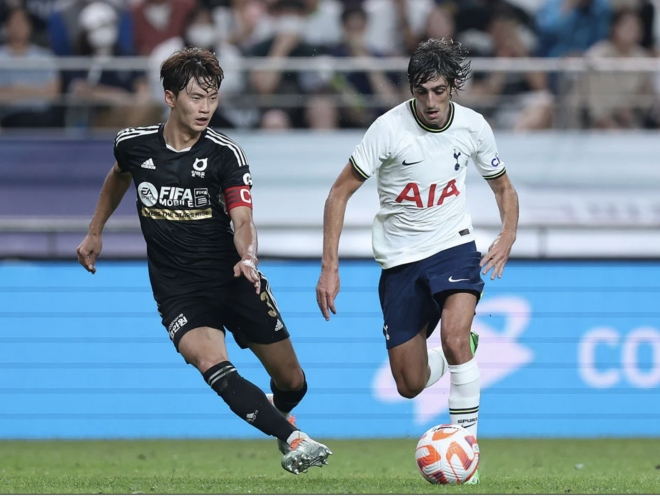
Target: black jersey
(183, 200)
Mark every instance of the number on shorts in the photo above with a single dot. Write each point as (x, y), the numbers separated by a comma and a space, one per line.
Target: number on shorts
(267, 296)
(264, 297)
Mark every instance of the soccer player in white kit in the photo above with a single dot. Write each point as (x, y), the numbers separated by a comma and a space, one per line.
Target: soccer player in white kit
(422, 235)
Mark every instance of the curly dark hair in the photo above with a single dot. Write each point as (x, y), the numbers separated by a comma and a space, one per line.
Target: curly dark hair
(435, 58)
(191, 62)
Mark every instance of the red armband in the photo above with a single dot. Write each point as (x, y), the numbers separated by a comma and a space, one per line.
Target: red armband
(238, 196)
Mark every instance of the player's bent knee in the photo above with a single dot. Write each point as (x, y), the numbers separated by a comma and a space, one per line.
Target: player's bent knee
(409, 388)
(203, 348)
(285, 399)
(455, 342)
(288, 377)
(407, 392)
(456, 348)
(294, 380)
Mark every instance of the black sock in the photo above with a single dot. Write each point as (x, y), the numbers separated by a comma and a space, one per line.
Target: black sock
(285, 401)
(247, 401)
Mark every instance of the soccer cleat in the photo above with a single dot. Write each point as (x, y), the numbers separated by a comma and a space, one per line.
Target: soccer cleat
(305, 453)
(474, 479)
(282, 445)
(474, 342)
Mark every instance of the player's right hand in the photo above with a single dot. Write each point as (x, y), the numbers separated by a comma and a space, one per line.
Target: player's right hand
(247, 268)
(326, 292)
(89, 250)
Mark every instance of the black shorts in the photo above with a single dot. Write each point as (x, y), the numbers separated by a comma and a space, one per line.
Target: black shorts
(235, 306)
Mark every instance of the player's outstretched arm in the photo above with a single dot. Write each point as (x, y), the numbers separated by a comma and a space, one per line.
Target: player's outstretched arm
(114, 188)
(245, 239)
(507, 202)
(327, 288)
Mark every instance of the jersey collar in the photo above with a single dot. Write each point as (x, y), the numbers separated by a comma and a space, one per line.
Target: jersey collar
(161, 137)
(413, 109)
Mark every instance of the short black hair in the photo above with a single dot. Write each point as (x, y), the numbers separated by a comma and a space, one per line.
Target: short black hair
(284, 5)
(352, 9)
(622, 13)
(191, 62)
(196, 11)
(435, 58)
(18, 9)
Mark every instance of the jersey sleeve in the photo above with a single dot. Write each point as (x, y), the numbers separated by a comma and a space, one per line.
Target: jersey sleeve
(235, 177)
(373, 150)
(486, 157)
(119, 150)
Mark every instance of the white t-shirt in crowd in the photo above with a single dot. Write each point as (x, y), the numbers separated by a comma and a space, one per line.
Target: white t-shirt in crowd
(421, 180)
(384, 33)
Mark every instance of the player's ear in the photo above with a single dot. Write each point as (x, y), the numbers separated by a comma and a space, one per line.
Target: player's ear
(170, 98)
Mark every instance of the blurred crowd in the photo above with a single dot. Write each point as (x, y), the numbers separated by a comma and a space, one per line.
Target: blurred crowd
(42, 30)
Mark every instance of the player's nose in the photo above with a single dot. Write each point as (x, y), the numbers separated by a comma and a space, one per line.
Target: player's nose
(427, 100)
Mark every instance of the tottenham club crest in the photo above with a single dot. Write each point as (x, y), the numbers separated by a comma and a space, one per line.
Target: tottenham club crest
(199, 167)
(456, 155)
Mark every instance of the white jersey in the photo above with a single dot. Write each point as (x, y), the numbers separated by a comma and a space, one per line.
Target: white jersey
(421, 180)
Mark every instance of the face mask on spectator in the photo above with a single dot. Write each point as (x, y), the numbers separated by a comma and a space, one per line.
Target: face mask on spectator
(202, 36)
(103, 37)
(289, 24)
(158, 15)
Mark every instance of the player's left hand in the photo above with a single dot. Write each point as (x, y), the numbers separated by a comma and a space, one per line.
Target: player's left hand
(326, 292)
(498, 255)
(248, 268)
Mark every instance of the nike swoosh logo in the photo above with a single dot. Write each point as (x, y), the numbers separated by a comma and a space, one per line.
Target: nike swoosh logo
(412, 163)
(467, 425)
(451, 279)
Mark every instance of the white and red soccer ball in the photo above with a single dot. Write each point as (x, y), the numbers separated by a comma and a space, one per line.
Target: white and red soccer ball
(447, 454)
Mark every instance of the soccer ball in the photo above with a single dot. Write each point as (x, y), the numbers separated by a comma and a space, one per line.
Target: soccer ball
(447, 454)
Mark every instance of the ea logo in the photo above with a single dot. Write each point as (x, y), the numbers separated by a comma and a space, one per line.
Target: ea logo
(247, 179)
(200, 164)
(148, 194)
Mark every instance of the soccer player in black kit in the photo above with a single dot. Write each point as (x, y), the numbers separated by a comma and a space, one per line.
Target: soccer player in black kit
(192, 184)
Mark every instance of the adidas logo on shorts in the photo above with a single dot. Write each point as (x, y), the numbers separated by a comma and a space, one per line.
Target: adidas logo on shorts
(148, 164)
(279, 325)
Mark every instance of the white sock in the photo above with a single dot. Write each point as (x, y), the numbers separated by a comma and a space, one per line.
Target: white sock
(296, 435)
(437, 365)
(464, 395)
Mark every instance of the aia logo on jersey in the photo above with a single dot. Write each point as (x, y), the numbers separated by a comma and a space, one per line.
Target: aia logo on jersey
(411, 193)
(199, 167)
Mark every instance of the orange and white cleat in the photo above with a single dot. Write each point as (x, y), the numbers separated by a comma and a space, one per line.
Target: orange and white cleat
(305, 453)
(281, 445)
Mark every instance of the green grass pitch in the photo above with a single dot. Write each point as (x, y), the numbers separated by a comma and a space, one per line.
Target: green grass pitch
(358, 466)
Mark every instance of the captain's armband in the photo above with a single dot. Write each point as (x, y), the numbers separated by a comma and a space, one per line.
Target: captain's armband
(238, 196)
